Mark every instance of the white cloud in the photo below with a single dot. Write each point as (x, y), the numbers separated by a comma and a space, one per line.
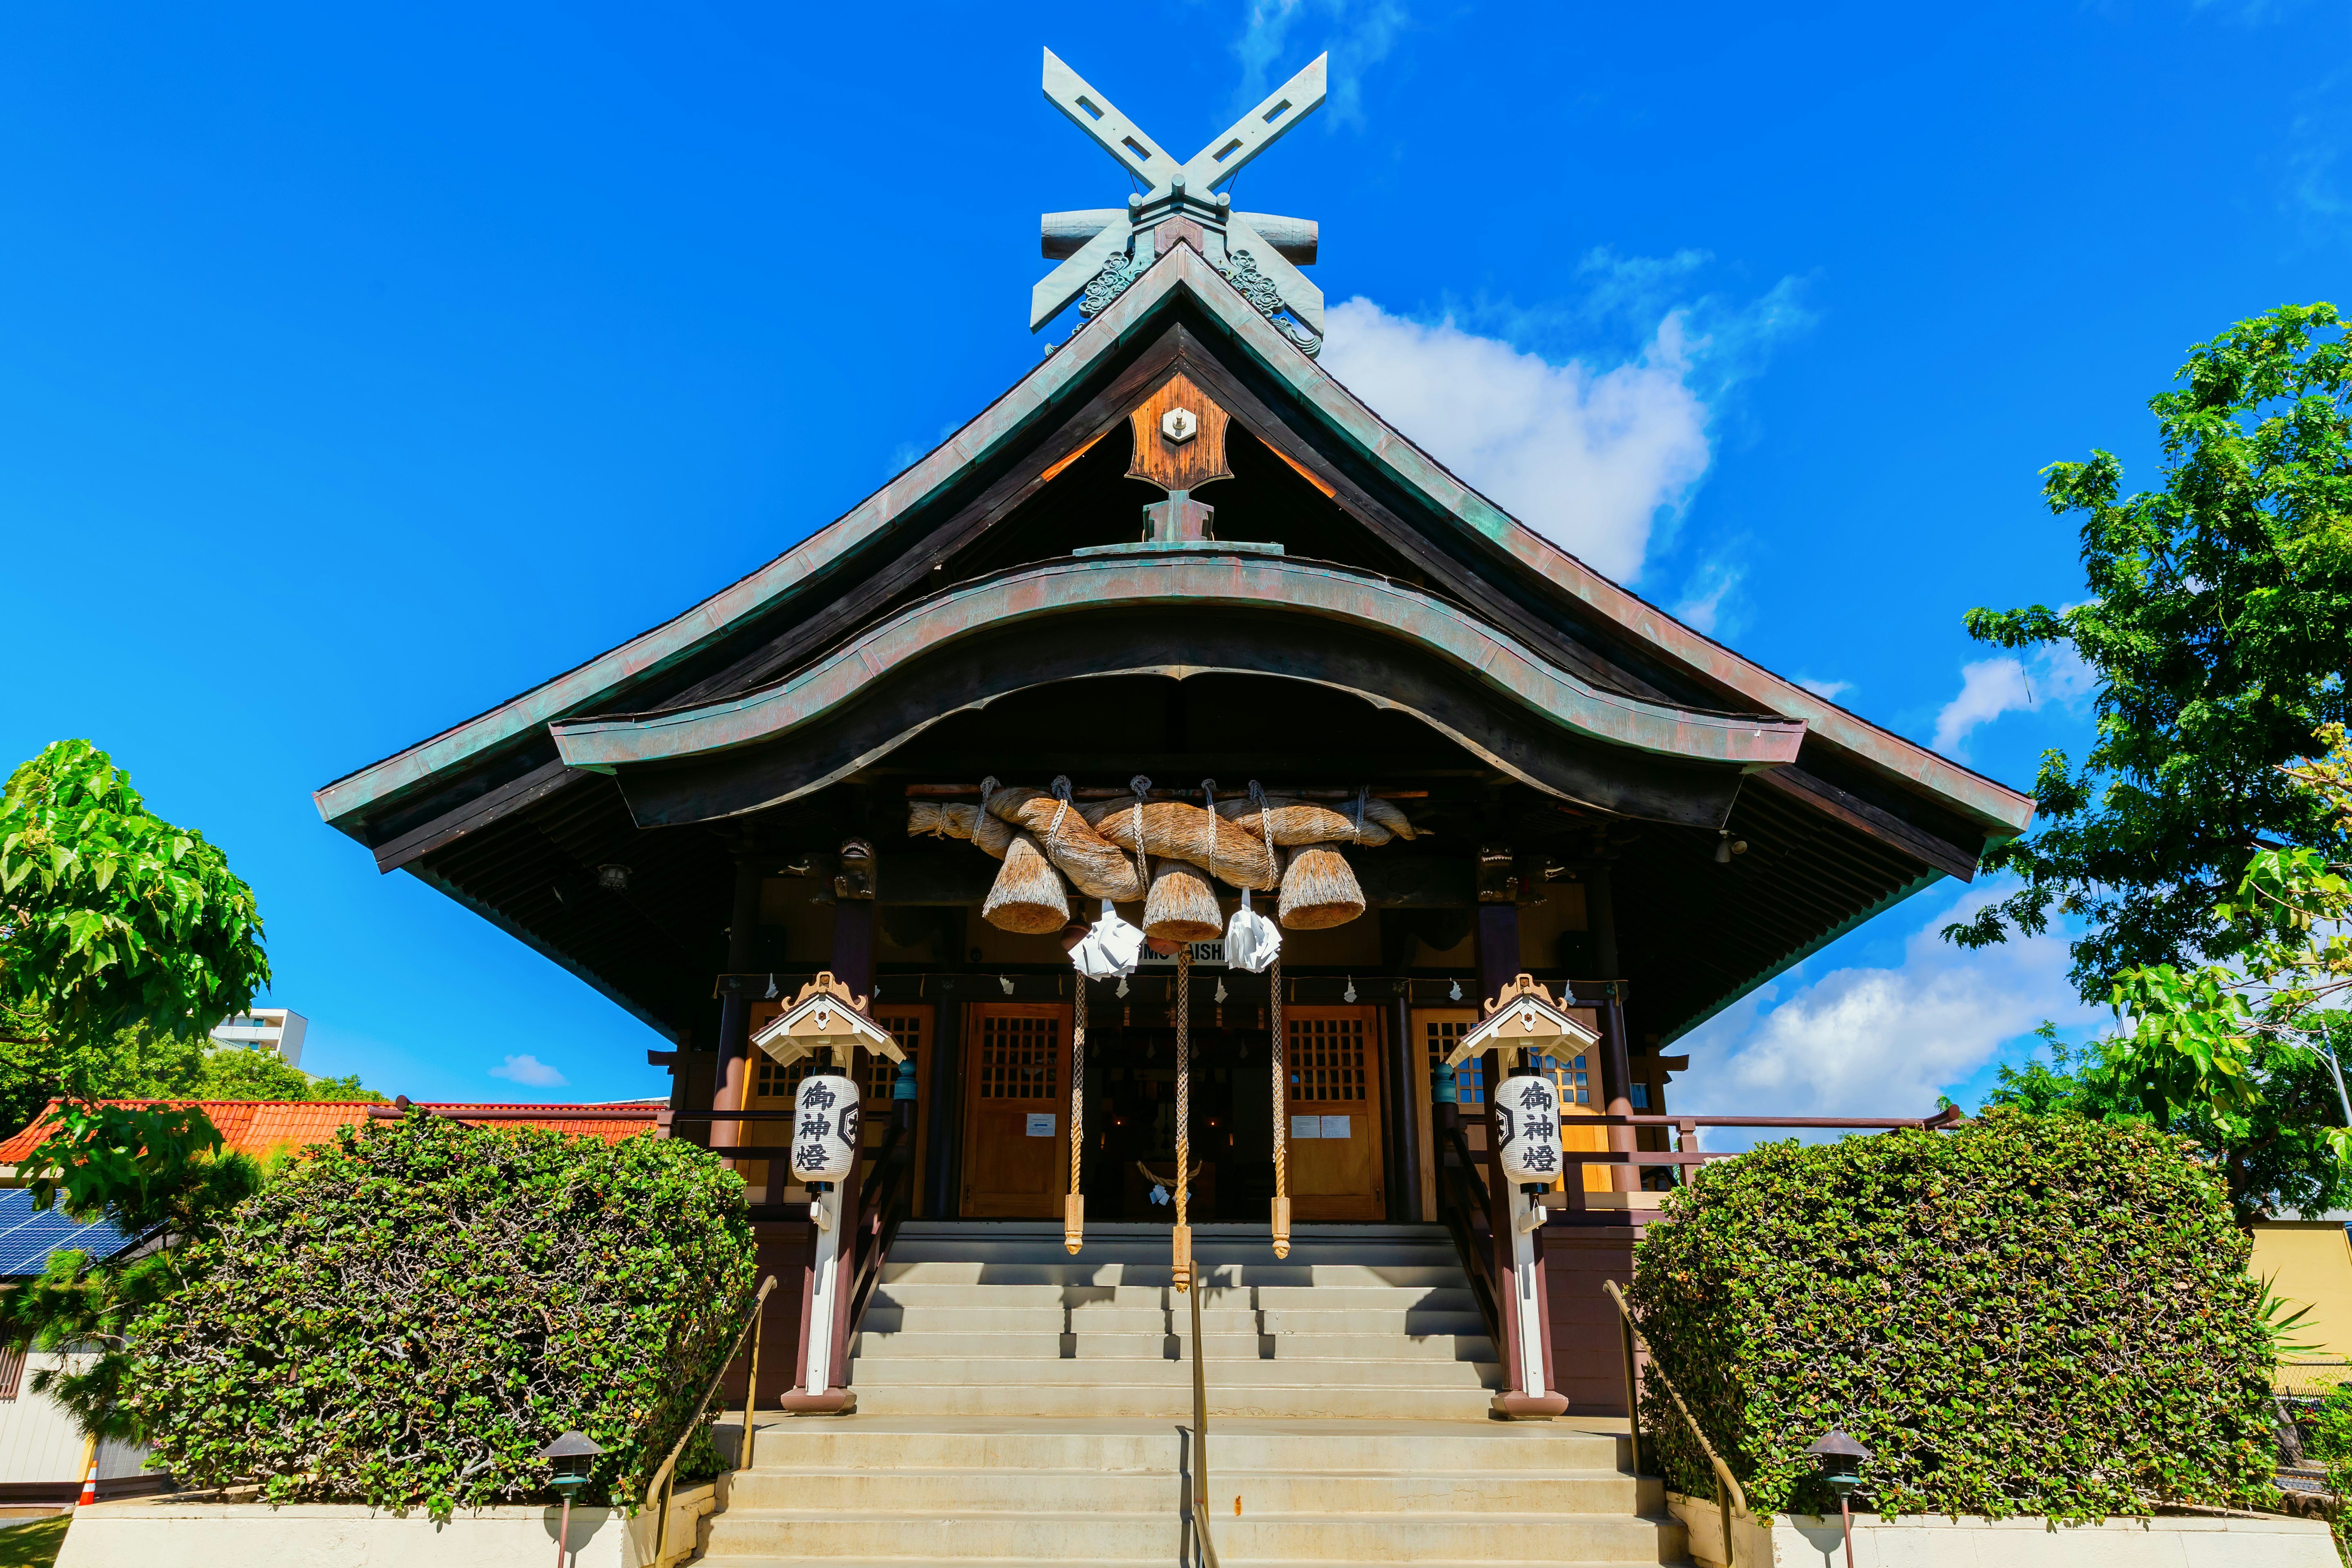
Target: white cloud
(529, 1071)
(1881, 1042)
(1704, 609)
(1992, 687)
(1589, 458)
(1827, 690)
(1360, 34)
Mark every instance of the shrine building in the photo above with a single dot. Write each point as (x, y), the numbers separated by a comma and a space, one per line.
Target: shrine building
(1178, 620)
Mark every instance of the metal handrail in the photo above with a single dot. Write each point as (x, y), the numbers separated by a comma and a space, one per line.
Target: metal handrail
(664, 1477)
(1728, 1496)
(1201, 1431)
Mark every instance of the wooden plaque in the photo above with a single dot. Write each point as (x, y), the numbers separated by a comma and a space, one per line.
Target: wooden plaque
(1196, 454)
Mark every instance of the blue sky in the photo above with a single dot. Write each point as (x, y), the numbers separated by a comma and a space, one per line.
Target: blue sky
(359, 370)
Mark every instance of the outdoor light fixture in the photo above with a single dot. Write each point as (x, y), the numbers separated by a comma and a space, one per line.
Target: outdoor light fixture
(613, 879)
(1842, 1458)
(570, 1455)
(1725, 847)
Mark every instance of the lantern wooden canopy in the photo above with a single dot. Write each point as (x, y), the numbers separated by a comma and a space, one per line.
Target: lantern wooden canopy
(1523, 1017)
(826, 1014)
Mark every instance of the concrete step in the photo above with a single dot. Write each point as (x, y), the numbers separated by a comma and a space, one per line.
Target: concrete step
(890, 1318)
(1344, 1372)
(818, 1490)
(1454, 1297)
(1172, 1400)
(1485, 1449)
(1360, 1321)
(1157, 1275)
(1051, 1535)
(1484, 1536)
(1043, 1344)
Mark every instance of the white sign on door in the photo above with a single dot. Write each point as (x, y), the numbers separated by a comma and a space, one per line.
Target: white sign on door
(1305, 1127)
(1041, 1124)
(1335, 1127)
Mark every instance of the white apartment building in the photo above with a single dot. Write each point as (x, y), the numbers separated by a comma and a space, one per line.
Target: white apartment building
(279, 1029)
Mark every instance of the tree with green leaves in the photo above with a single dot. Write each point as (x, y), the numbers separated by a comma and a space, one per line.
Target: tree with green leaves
(2219, 627)
(159, 1173)
(2197, 841)
(115, 927)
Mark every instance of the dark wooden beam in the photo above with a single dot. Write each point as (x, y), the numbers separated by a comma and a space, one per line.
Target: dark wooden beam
(1170, 640)
(474, 815)
(1952, 859)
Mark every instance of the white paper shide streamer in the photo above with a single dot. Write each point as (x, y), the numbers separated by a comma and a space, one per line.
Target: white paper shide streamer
(1110, 949)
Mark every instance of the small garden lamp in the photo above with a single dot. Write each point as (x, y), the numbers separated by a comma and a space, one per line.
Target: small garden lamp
(570, 1455)
(1840, 1459)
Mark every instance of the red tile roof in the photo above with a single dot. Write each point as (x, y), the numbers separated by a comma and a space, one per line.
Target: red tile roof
(261, 1127)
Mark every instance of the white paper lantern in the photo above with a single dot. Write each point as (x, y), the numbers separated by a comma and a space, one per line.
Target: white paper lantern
(1110, 949)
(824, 1127)
(1527, 1129)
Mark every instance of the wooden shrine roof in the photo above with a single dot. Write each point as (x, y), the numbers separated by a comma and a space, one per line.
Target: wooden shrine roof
(511, 810)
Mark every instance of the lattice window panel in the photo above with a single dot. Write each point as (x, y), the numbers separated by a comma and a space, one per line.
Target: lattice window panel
(1470, 1077)
(1327, 1061)
(1020, 1058)
(881, 1072)
(1570, 1074)
(779, 1079)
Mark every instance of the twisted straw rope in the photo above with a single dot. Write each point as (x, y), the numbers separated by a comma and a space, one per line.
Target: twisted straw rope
(1077, 1085)
(1278, 1039)
(1281, 1093)
(1183, 1077)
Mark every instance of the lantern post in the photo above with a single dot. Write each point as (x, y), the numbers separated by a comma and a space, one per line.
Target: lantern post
(572, 1455)
(1523, 1022)
(1842, 1458)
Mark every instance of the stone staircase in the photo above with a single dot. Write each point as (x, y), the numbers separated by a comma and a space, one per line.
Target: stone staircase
(1015, 1404)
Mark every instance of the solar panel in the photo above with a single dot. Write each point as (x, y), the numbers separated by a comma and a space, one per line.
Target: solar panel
(27, 1236)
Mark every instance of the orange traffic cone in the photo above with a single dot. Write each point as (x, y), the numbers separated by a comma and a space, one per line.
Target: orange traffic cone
(88, 1473)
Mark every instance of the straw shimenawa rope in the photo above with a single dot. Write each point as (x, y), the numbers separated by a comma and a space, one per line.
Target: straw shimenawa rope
(1181, 1273)
(1275, 1052)
(1074, 1210)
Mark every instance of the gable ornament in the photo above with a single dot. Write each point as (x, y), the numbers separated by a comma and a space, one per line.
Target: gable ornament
(1104, 251)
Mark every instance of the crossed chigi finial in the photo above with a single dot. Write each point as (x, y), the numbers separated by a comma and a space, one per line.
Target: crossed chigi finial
(1105, 249)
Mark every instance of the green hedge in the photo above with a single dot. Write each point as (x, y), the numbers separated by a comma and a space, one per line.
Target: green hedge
(421, 1306)
(2040, 1315)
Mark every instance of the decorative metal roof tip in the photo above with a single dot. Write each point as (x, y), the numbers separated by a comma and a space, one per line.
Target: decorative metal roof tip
(1104, 251)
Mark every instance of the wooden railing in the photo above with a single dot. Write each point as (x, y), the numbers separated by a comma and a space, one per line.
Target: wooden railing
(882, 1205)
(1465, 1207)
(1687, 1155)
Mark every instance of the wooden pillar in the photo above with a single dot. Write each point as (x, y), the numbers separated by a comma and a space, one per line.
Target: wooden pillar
(1498, 966)
(943, 1087)
(852, 965)
(1616, 1064)
(730, 1083)
(1404, 1144)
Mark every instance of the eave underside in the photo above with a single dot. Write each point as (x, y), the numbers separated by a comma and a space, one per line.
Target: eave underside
(1692, 933)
